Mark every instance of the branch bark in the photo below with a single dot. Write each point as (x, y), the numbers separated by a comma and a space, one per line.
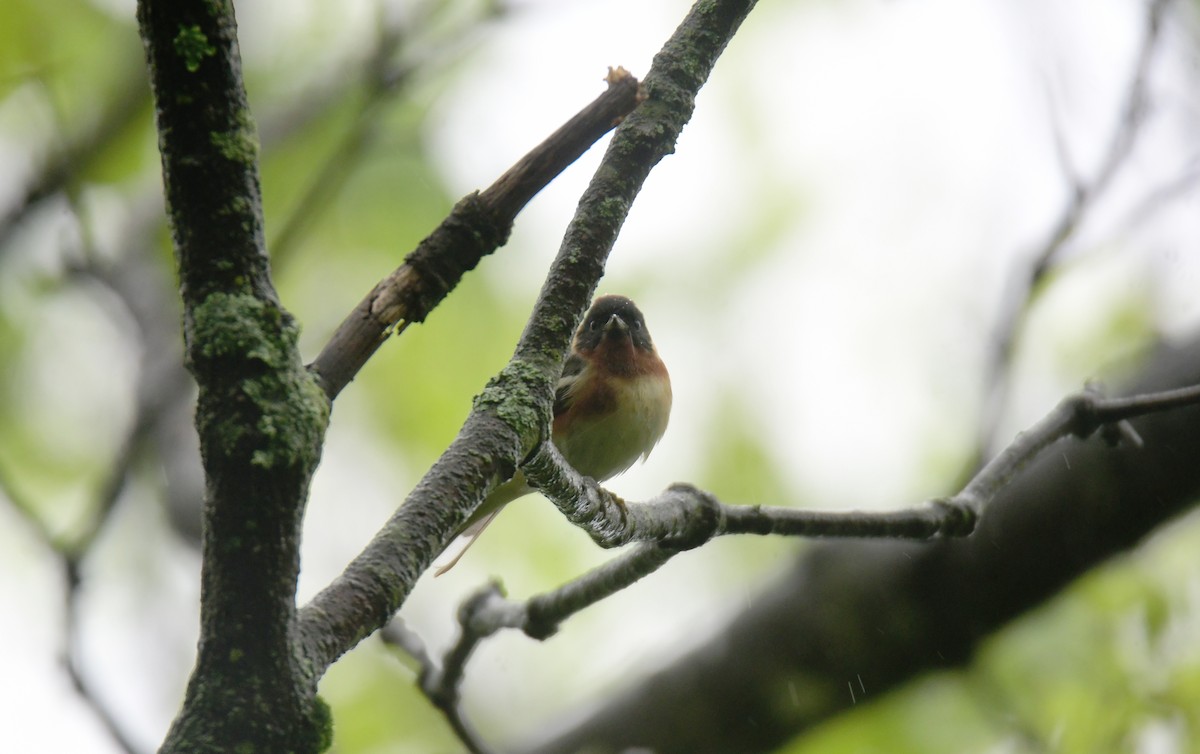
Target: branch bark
(887, 611)
(479, 224)
(684, 517)
(260, 417)
(513, 412)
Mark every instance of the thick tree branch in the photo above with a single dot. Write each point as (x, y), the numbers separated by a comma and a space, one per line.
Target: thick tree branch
(261, 416)
(512, 413)
(684, 517)
(887, 611)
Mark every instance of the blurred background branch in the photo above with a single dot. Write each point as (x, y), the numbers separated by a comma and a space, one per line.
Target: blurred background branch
(1083, 192)
(884, 612)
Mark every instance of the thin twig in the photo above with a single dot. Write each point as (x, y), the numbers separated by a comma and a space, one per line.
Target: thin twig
(382, 80)
(70, 553)
(1107, 410)
(1082, 195)
(71, 659)
(546, 612)
(488, 611)
(78, 150)
(440, 684)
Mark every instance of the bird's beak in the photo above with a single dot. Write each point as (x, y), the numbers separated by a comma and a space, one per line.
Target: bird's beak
(616, 325)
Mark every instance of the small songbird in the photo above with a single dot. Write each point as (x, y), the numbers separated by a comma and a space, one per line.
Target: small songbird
(610, 407)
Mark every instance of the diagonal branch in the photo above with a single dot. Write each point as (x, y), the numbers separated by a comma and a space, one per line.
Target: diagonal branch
(890, 610)
(511, 414)
(684, 517)
(478, 225)
(78, 150)
(1083, 195)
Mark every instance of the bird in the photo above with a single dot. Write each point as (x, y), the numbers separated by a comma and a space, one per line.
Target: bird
(611, 405)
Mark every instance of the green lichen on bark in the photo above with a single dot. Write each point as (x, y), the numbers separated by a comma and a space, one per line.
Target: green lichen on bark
(243, 353)
(321, 718)
(240, 143)
(193, 46)
(514, 401)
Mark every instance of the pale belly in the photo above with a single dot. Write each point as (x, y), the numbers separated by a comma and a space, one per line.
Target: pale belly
(603, 446)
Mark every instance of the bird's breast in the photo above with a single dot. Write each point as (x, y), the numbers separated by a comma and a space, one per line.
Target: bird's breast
(613, 423)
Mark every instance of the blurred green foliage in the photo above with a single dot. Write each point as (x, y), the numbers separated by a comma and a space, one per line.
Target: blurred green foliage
(1110, 665)
(378, 708)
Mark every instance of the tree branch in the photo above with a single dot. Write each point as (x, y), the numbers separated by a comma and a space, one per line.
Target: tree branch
(1082, 196)
(78, 150)
(512, 413)
(478, 225)
(440, 683)
(888, 611)
(684, 517)
(260, 415)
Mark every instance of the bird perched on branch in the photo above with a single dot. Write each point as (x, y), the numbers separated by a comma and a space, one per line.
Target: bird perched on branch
(611, 405)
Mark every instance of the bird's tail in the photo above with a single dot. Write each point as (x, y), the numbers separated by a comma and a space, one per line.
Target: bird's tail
(485, 514)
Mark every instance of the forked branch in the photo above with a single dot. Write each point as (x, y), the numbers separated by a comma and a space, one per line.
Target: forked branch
(684, 517)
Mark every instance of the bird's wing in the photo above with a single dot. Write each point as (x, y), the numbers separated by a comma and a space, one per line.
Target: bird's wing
(571, 371)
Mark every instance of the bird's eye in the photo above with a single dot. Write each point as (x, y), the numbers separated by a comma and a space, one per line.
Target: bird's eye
(593, 324)
(637, 324)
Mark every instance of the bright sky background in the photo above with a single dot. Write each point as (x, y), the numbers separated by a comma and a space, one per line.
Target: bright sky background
(870, 169)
